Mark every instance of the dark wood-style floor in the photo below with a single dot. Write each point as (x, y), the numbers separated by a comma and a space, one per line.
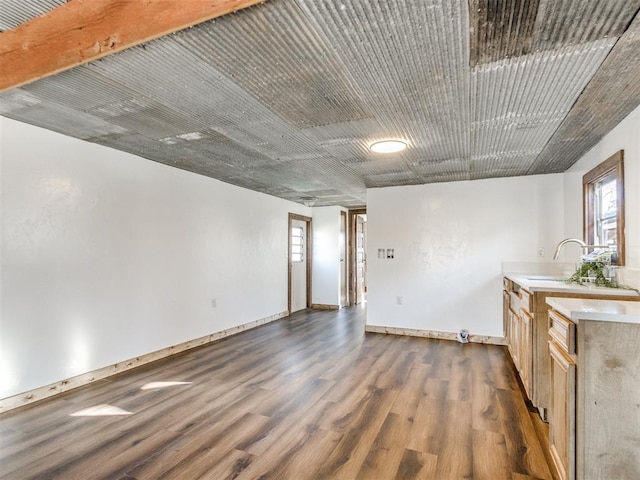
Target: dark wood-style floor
(307, 397)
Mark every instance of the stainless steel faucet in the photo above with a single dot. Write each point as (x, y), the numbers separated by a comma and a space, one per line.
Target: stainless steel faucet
(582, 244)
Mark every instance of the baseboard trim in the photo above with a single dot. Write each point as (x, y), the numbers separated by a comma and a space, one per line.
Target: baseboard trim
(322, 306)
(484, 339)
(40, 393)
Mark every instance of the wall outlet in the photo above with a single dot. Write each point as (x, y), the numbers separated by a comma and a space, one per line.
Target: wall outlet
(399, 300)
(541, 252)
(214, 303)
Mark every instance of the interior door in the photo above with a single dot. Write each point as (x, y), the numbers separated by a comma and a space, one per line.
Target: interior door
(361, 259)
(343, 260)
(298, 264)
(300, 261)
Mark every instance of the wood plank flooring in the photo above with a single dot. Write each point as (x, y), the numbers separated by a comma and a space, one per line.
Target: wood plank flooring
(310, 396)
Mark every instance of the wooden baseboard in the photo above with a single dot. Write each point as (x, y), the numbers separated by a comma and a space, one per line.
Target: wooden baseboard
(47, 391)
(322, 306)
(485, 339)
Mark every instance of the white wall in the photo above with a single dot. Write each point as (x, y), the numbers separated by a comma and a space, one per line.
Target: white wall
(625, 136)
(326, 255)
(449, 241)
(107, 256)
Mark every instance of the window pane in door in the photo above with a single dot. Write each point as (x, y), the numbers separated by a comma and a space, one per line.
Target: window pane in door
(297, 244)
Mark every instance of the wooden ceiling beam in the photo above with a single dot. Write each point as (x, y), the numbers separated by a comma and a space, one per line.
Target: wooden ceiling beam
(81, 31)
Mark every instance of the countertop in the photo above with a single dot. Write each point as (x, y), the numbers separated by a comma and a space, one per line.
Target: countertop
(546, 283)
(577, 309)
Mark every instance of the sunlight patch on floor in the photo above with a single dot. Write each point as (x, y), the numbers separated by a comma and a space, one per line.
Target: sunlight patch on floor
(154, 385)
(100, 411)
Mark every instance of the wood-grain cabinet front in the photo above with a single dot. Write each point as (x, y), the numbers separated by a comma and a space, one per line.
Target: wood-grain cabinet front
(594, 413)
(562, 410)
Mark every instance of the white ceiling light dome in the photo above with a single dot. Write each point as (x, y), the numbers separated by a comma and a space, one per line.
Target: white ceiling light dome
(388, 146)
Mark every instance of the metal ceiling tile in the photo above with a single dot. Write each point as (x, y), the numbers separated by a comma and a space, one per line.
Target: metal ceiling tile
(518, 135)
(174, 77)
(82, 89)
(381, 165)
(392, 179)
(267, 180)
(138, 145)
(326, 193)
(346, 202)
(571, 22)
(349, 141)
(333, 173)
(298, 181)
(506, 164)
(613, 93)
(346, 133)
(294, 73)
(17, 99)
(124, 105)
(429, 168)
(68, 121)
(446, 177)
(157, 122)
(15, 12)
(219, 148)
(409, 60)
(518, 103)
(500, 30)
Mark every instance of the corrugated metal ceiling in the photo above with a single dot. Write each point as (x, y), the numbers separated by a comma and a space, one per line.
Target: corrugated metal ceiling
(285, 97)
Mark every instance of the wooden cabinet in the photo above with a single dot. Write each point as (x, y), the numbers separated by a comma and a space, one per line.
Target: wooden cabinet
(513, 343)
(505, 313)
(563, 332)
(562, 411)
(562, 407)
(525, 351)
(526, 325)
(594, 413)
(519, 323)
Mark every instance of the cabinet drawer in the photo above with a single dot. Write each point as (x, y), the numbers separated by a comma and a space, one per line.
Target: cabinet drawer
(514, 301)
(563, 331)
(526, 301)
(506, 284)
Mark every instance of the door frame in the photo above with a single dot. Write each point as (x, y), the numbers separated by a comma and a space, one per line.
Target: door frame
(352, 270)
(308, 257)
(344, 263)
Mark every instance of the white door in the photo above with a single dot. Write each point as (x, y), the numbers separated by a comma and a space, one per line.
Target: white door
(298, 265)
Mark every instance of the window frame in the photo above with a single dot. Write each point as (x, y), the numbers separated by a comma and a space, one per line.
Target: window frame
(612, 167)
(294, 244)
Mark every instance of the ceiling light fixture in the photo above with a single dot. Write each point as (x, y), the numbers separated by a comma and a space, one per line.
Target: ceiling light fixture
(388, 146)
(309, 201)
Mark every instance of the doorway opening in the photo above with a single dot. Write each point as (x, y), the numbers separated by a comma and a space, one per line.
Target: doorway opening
(344, 267)
(299, 261)
(357, 256)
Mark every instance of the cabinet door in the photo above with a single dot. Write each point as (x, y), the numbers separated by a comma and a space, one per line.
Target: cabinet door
(562, 412)
(526, 350)
(514, 338)
(505, 314)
